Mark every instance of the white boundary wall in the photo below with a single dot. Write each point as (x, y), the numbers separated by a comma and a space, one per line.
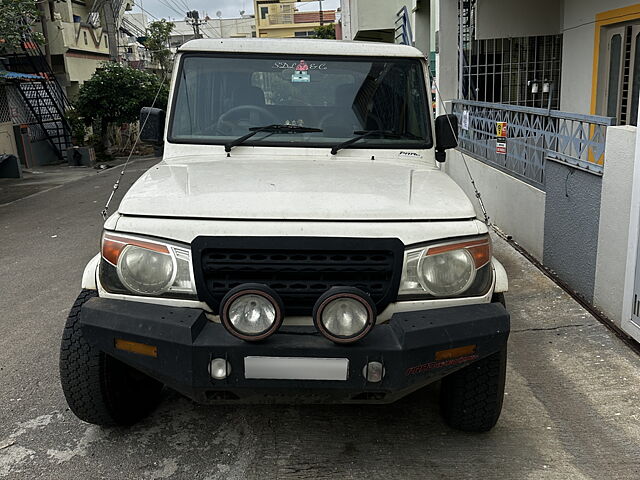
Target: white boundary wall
(615, 209)
(514, 206)
(628, 323)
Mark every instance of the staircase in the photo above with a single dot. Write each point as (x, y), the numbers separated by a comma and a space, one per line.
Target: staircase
(45, 99)
(42, 104)
(403, 34)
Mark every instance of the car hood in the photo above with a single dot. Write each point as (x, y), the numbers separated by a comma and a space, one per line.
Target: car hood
(296, 189)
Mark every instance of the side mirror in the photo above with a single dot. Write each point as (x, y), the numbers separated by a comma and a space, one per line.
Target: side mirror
(446, 135)
(152, 125)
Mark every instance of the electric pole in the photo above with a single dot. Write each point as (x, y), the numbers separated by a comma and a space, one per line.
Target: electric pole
(321, 13)
(194, 19)
(45, 30)
(110, 9)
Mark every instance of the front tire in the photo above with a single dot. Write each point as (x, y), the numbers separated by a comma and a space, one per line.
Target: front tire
(100, 389)
(471, 398)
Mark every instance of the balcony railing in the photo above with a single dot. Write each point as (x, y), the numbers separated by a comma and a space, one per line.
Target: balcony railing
(533, 136)
(280, 18)
(403, 34)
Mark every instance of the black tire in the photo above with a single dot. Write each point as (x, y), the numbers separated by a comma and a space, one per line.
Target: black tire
(471, 398)
(100, 389)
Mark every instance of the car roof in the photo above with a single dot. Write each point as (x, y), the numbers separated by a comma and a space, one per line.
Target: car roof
(302, 46)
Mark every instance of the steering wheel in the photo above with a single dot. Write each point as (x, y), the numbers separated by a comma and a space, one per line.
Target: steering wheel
(225, 119)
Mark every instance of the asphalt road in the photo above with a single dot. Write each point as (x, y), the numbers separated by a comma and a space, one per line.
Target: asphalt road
(572, 409)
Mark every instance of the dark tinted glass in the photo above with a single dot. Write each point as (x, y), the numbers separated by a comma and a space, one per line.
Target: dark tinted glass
(219, 98)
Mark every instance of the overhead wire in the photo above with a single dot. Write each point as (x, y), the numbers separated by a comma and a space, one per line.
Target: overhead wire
(148, 13)
(184, 4)
(592, 22)
(173, 7)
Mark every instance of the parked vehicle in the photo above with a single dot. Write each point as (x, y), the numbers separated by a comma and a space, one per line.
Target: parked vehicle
(296, 243)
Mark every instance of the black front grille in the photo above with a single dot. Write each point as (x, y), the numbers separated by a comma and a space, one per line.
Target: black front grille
(299, 269)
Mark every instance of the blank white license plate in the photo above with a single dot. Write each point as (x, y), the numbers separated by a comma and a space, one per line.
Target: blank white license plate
(296, 368)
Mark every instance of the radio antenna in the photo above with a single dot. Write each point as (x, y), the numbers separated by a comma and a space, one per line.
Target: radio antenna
(105, 210)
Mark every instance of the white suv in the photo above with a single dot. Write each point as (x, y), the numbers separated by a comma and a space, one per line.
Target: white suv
(297, 242)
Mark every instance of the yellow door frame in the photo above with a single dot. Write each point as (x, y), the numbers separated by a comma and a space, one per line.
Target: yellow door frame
(618, 15)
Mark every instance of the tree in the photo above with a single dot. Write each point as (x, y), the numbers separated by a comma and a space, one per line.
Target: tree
(157, 40)
(17, 18)
(116, 93)
(327, 31)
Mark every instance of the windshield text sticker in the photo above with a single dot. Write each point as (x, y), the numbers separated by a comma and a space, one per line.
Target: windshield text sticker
(294, 65)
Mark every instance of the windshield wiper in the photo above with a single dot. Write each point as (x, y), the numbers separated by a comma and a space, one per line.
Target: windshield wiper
(360, 134)
(275, 128)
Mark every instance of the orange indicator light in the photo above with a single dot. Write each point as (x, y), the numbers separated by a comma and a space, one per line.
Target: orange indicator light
(455, 352)
(135, 347)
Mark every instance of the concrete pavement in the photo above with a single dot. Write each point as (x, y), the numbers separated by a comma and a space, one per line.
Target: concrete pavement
(572, 409)
(47, 177)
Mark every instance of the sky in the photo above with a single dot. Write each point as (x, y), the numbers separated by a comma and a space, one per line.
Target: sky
(229, 8)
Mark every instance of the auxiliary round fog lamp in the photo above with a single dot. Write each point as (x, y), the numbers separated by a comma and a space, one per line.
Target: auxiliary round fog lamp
(251, 312)
(344, 314)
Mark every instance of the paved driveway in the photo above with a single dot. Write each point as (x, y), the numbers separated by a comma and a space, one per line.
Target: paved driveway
(572, 408)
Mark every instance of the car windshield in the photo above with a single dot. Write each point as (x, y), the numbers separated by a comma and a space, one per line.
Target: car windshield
(219, 98)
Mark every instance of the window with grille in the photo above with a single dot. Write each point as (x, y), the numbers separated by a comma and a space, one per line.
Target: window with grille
(619, 72)
(504, 70)
(310, 33)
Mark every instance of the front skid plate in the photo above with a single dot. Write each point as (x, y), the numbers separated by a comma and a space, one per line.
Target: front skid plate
(187, 342)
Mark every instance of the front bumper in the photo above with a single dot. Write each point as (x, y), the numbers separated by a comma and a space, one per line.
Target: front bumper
(186, 342)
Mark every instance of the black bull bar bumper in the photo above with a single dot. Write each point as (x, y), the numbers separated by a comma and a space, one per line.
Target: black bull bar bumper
(415, 348)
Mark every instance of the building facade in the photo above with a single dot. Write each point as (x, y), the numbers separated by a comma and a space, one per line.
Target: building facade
(134, 26)
(563, 77)
(282, 19)
(79, 35)
(241, 27)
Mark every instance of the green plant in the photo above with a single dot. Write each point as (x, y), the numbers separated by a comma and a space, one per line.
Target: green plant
(78, 128)
(115, 94)
(327, 31)
(157, 40)
(17, 18)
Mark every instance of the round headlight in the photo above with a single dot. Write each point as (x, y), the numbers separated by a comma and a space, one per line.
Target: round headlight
(144, 271)
(251, 312)
(447, 274)
(344, 315)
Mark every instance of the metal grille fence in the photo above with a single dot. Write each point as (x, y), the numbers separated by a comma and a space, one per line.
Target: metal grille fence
(21, 115)
(533, 136)
(5, 114)
(14, 110)
(500, 69)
